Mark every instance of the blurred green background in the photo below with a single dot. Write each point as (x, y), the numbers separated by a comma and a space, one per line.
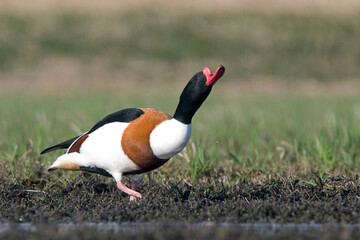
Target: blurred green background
(288, 103)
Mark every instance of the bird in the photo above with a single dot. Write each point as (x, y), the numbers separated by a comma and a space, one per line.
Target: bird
(134, 141)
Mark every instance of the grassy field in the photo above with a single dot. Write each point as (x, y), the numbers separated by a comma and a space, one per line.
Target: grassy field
(234, 138)
(144, 46)
(288, 104)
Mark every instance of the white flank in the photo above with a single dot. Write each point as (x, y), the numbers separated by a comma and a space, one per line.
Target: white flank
(102, 149)
(169, 138)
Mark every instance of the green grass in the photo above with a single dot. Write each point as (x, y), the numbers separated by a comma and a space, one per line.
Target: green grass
(252, 45)
(233, 137)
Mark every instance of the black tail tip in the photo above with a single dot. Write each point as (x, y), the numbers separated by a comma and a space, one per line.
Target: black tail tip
(45, 151)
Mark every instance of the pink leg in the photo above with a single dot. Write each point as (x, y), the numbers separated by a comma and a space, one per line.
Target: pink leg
(134, 185)
(133, 194)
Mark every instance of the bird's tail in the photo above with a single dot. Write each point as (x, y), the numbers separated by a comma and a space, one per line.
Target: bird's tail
(69, 161)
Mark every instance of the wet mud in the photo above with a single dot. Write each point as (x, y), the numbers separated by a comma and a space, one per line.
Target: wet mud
(335, 199)
(91, 199)
(180, 231)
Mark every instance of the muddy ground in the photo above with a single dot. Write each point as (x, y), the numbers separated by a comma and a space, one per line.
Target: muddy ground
(166, 231)
(91, 199)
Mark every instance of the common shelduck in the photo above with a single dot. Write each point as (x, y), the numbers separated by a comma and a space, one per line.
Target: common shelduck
(136, 140)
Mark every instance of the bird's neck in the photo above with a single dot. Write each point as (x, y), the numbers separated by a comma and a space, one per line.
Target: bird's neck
(184, 112)
(190, 101)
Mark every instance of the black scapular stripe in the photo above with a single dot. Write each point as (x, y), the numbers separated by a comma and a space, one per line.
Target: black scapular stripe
(125, 115)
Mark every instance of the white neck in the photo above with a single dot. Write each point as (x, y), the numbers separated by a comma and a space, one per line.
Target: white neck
(169, 138)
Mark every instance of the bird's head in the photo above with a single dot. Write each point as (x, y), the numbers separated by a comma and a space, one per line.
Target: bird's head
(195, 93)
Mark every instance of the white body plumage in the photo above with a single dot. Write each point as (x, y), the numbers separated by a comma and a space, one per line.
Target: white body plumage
(169, 138)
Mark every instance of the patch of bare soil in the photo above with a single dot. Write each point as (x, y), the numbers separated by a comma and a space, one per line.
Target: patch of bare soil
(180, 231)
(335, 199)
(90, 208)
